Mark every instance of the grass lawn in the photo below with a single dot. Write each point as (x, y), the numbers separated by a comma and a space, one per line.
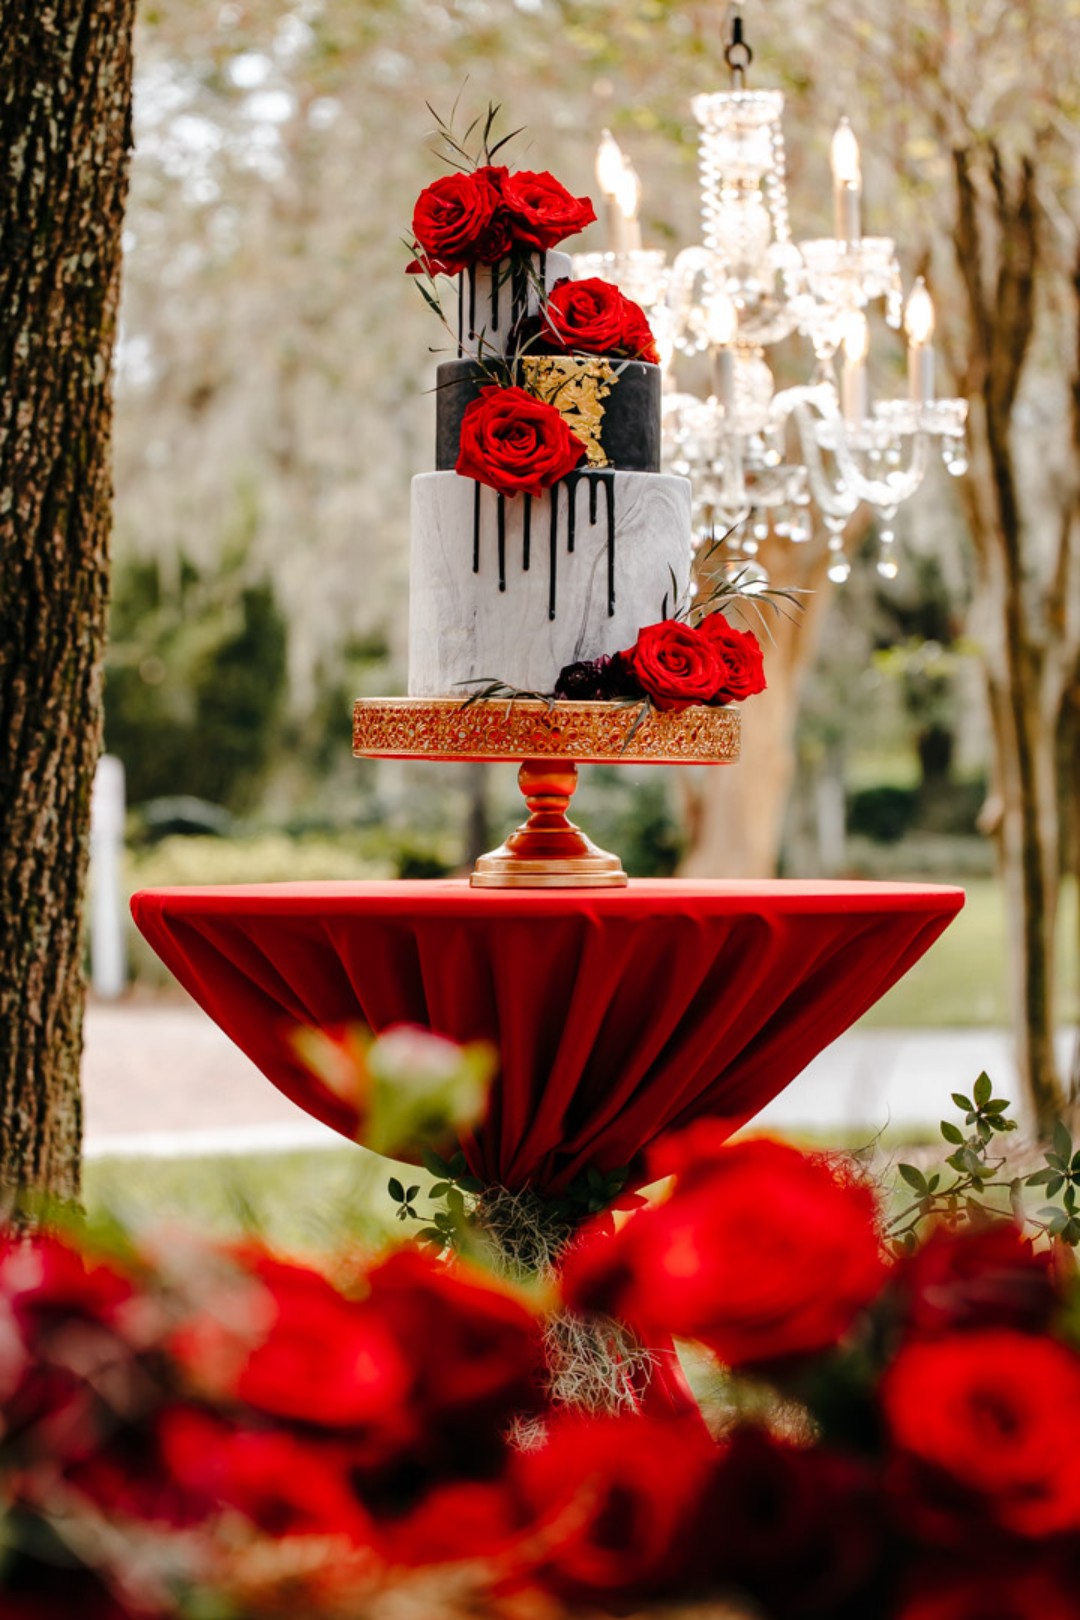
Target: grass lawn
(312, 1201)
(961, 982)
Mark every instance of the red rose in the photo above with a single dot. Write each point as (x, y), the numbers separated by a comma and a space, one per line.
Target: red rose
(454, 1522)
(285, 1485)
(989, 1277)
(541, 210)
(594, 317)
(760, 1252)
(474, 1358)
(455, 225)
(515, 443)
(307, 1354)
(674, 664)
(614, 1499)
(799, 1529)
(985, 1426)
(741, 661)
(46, 1282)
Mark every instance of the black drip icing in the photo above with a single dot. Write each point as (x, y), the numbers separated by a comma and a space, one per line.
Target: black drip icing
(500, 506)
(553, 549)
(476, 529)
(597, 479)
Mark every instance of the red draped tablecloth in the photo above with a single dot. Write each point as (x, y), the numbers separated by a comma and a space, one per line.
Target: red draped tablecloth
(619, 1014)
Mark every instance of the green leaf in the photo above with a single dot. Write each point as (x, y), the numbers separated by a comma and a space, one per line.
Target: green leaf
(1062, 1141)
(470, 1184)
(433, 1164)
(1039, 1178)
(439, 1189)
(962, 1102)
(983, 1090)
(1054, 1186)
(952, 1133)
(396, 1190)
(411, 1192)
(998, 1106)
(913, 1177)
(431, 1234)
(934, 1183)
(457, 1165)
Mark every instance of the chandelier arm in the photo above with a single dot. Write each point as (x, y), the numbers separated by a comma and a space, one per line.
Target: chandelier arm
(891, 490)
(833, 501)
(820, 398)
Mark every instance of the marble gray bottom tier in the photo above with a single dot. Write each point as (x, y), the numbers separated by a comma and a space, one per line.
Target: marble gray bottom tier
(464, 629)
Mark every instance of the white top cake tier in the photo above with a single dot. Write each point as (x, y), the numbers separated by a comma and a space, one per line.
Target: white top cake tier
(491, 299)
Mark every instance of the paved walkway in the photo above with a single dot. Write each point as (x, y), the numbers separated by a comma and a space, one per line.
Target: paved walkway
(161, 1079)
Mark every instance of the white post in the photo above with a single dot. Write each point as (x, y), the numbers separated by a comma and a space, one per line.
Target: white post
(108, 966)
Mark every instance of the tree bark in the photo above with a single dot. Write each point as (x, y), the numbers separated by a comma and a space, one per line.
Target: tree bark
(735, 818)
(1024, 673)
(65, 121)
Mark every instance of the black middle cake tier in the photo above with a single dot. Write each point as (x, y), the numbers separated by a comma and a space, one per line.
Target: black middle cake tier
(611, 405)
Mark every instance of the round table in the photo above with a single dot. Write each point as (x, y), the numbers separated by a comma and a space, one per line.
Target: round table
(618, 1014)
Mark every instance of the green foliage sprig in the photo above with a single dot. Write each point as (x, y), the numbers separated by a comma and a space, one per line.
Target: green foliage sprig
(457, 1225)
(974, 1183)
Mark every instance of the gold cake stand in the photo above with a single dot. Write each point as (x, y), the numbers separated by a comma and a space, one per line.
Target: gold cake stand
(550, 740)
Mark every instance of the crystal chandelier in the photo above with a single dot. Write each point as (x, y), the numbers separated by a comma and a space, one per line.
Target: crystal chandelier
(747, 287)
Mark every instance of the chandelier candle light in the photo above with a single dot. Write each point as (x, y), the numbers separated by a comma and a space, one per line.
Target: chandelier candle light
(754, 451)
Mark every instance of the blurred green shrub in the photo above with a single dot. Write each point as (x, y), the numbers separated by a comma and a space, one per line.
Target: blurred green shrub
(195, 680)
(883, 813)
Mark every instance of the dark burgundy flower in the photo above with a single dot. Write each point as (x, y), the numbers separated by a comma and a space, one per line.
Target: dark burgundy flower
(797, 1528)
(992, 1588)
(584, 681)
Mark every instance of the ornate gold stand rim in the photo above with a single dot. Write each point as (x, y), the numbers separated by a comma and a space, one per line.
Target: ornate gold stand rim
(525, 728)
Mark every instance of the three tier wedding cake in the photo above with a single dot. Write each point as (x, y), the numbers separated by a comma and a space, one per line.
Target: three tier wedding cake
(549, 553)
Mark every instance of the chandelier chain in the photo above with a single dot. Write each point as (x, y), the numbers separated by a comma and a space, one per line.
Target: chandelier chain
(737, 53)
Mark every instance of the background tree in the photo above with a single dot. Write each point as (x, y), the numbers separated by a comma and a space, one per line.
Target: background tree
(65, 96)
(978, 105)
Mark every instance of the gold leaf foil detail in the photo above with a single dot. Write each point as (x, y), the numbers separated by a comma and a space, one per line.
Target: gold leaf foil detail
(577, 389)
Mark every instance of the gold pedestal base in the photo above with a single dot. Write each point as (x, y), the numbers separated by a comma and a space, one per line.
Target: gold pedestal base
(548, 851)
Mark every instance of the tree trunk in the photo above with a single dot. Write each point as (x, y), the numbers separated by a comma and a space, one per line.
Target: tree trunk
(65, 100)
(998, 248)
(735, 818)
